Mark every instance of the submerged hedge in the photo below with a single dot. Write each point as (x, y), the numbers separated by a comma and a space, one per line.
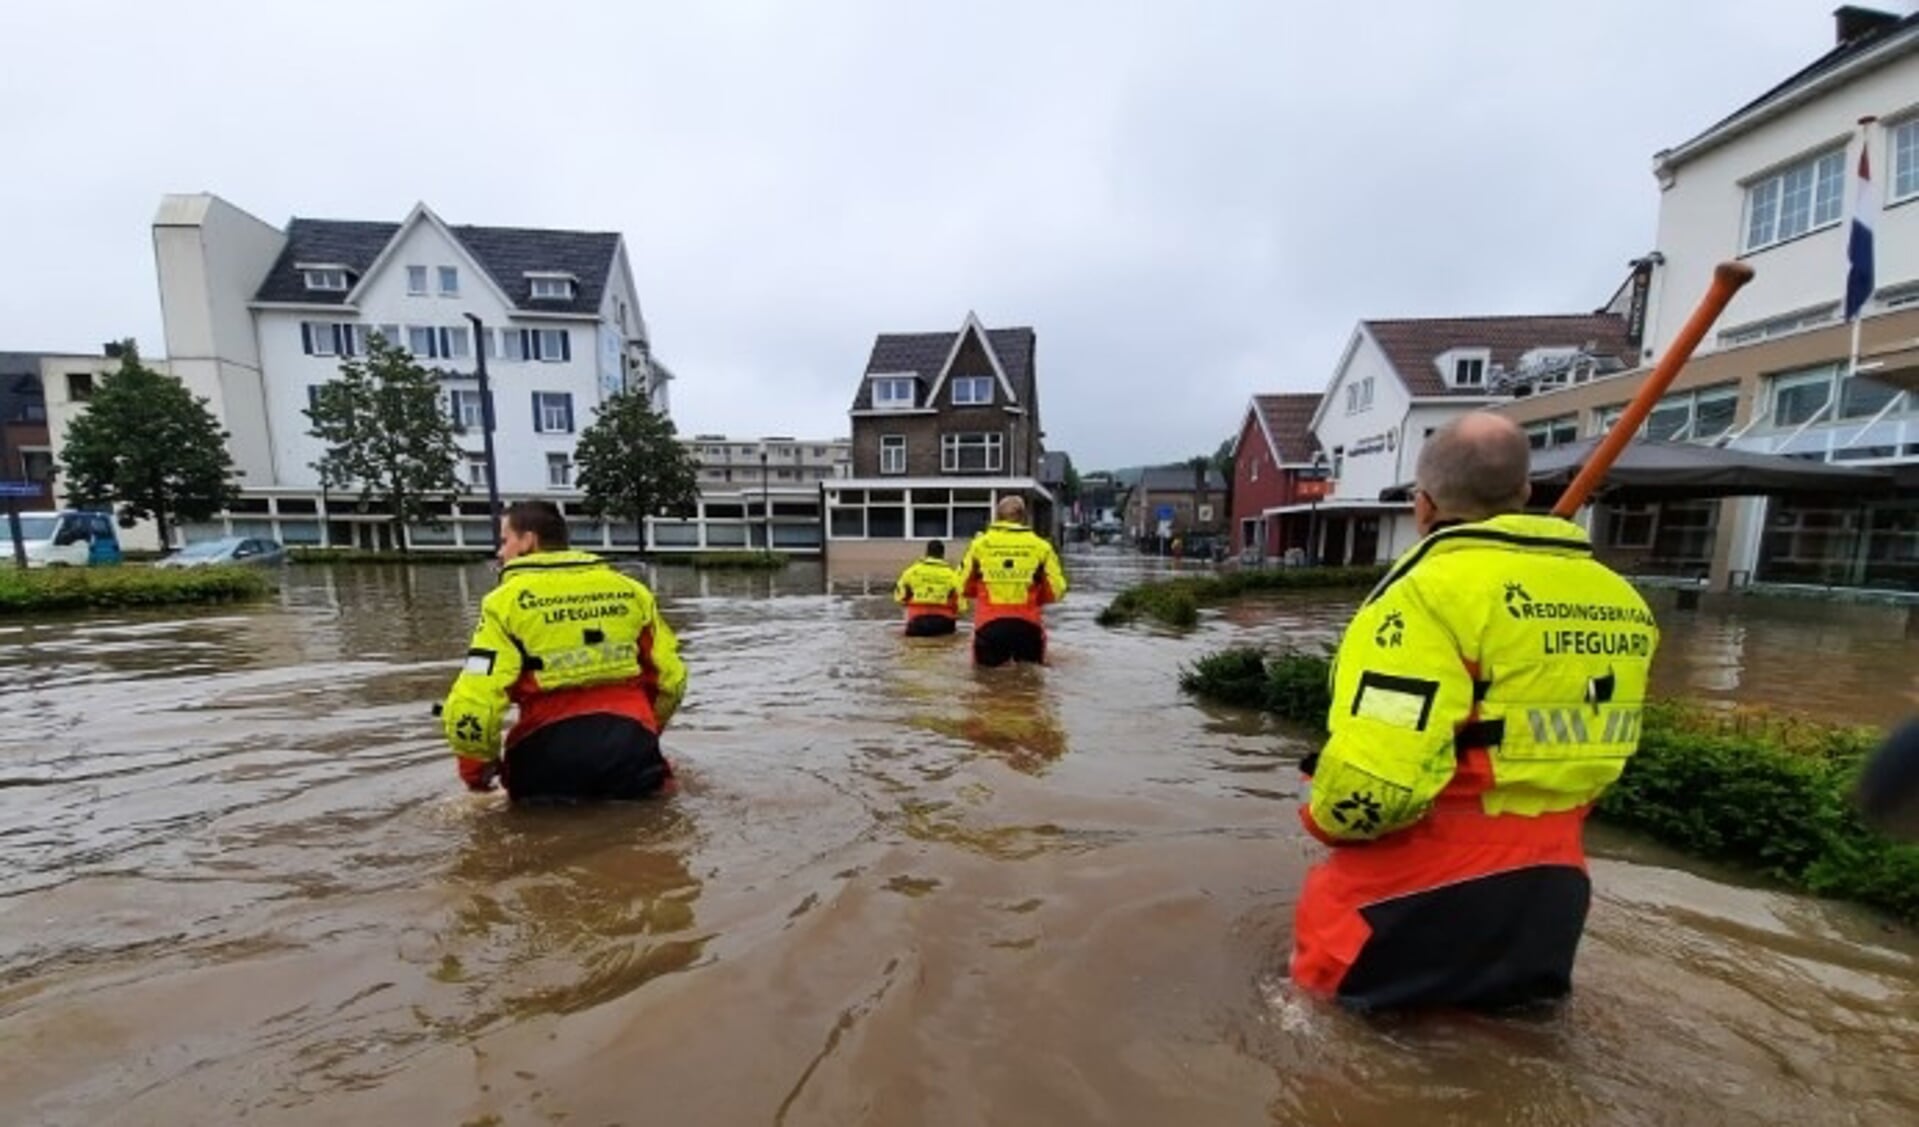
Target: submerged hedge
(1769, 792)
(385, 556)
(724, 561)
(91, 588)
(1176, 602)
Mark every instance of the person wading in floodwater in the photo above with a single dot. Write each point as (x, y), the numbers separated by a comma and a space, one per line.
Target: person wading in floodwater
(583, 651)
(1467, 745)
(1011, 573)
(929, 589)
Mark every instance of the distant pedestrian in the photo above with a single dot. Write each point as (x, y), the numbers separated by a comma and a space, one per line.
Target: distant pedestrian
(1011, 573)
(929, 589)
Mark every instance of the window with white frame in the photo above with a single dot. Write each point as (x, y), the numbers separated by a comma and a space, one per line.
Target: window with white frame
(1469, 371)
(552, 412)
(1359, 396)
(559, 471)
(972, 453)
(476, 475)
(511, 346)
(449, 281)
(1799, 198)
(1629, 526)
(466, 408)
(1801, 396)
(36, 464)
(1548, 433)
(416, 281)
(972, 390)
(894, 393)
(388, 333)
(326, 279)
(551, 346)
(1905, 160)
(320, 338)
(421, 340)
(892, 453)
(550, 288)
(1339, 461)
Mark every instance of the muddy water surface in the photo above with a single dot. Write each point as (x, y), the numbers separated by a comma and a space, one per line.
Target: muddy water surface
(240, 881)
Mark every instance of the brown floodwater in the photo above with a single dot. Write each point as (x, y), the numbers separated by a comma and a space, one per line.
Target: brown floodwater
(241, 883)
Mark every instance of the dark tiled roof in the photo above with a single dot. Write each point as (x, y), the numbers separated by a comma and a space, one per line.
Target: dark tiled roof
(923, 354)
(1289, 418)
(1412, 346)
(1840, 55)
(506, 253)
(1177, 479)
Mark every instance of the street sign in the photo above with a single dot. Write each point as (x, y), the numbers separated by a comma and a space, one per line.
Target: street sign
(1164, 513)
(1310, 490)
(20, 488)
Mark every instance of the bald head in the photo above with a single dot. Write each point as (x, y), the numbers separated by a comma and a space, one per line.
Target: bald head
(1476, 467)
(1011, 509)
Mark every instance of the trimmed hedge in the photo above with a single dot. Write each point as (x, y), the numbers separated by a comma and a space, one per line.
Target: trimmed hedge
(362, 556)
(93, 588)
(1766, 791)
(1176, 602)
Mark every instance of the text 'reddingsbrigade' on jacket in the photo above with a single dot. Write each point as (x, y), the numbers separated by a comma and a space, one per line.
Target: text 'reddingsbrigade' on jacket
(930, 586)
(1503, 636)
(1011, 571)
(562, 634)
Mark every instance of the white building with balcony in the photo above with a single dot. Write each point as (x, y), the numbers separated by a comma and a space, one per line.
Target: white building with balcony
(257, 317)
(1773, 185)
(755, 493)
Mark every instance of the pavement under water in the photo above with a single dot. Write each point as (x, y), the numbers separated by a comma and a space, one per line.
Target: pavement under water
(241, 881)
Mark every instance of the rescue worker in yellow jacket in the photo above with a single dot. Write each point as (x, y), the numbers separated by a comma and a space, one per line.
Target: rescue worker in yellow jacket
(1011, 573)
(929, 589)
(583, 652)
(1485, 695)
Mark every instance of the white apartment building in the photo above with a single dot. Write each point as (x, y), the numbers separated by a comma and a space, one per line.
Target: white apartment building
(1772, 185)
(258, 317)
(755, 492)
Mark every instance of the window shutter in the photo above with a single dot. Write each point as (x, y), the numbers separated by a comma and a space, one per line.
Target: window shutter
(306, 337)
(566, 345)
(567, 401)
(539, 424)
(453, 408)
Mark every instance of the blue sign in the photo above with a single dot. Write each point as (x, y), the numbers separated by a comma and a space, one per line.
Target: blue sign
(1165, 512)
(20, 489)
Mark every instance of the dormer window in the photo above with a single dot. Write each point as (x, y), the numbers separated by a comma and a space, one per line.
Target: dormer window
(972, 390)
(1465, 368)
(326, 277)
(551, 287)
(894, 393)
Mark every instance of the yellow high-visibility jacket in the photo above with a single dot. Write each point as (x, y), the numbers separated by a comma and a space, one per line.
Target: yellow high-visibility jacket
(1010, 571)
(562, 635)
(1504, 637)
(930, 586)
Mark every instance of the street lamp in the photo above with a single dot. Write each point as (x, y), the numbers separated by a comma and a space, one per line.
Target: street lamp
(766, 509)
(1312, 519)
(486, 429)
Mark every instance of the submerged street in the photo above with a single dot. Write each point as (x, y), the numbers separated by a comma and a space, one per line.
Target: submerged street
(243, 880)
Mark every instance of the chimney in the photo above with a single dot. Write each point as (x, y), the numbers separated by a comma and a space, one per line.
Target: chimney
(1853, 23)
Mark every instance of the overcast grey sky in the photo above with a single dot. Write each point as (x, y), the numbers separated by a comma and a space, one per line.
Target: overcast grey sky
(1190, 202)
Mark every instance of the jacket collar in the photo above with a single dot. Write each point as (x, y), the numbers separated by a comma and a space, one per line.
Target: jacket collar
(548, 561)
(1009, 526)
(1513, 532)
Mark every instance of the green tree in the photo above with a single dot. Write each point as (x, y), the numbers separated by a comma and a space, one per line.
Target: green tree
(633, 467)
(1071, 488)
(387, 431)
(150, 447)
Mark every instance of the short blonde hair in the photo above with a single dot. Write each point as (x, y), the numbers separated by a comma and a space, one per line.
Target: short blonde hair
(1011, 508)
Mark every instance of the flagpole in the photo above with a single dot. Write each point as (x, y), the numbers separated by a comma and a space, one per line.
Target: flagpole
(1859, 273)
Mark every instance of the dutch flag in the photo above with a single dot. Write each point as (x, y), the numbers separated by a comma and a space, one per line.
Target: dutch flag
(1865, 210)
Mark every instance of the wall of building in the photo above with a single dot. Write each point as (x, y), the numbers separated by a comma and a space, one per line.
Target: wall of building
(209, 258)
(922, 433)
(1702, 215)
(1258, 484)
(62, 408)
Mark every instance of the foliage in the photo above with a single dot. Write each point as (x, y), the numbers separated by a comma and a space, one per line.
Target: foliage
(309, 555)
(387, 431)
(726, 561)
(149, 446)
(1175, 602)
(632, 466)
(83, 588)
(1071, 488)
(1767, 791)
